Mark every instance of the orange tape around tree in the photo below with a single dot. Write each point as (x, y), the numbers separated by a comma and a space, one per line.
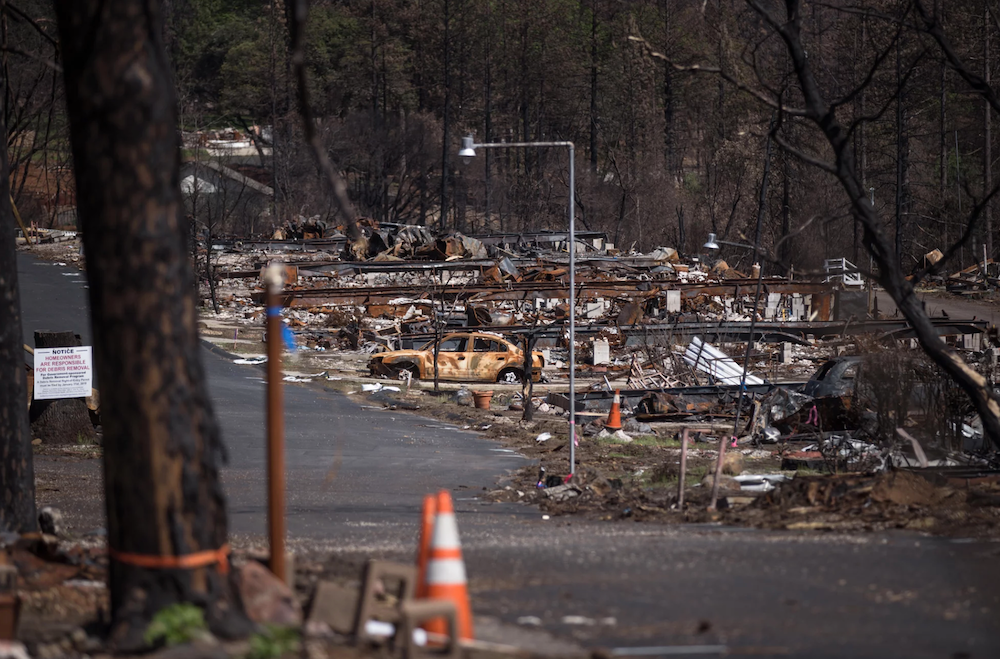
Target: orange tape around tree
(219, 557)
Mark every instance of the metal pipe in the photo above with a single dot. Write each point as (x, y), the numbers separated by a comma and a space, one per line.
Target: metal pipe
(519, 145)
(718, 473)
(572, 315)
(684, 460)
(275, 423)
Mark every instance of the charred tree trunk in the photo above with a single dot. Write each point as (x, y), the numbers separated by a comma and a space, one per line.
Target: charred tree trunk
(446, 119)
(669, 148)
(859, 111)
(943, 146)
(681, 231)
(17, 474)
(785, 249)
(900, 158)
(593, 86)
(162, 449)
(488, 123)
(987, 138)
(209, 270)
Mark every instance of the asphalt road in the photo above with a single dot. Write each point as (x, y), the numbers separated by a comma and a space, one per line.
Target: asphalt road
(356, 475)
(345, 463)
(956, 307)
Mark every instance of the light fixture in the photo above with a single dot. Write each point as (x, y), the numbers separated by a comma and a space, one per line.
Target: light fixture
(711, 244)
(468, 151)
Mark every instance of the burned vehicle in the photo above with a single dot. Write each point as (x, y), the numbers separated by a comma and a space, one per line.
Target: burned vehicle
(836, 377)
(467, 356)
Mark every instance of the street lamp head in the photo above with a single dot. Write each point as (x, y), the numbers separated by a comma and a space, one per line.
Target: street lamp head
(467, 152)
(711, 244)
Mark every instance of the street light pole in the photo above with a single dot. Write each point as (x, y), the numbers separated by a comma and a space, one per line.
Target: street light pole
(753, 319)
(468, 151)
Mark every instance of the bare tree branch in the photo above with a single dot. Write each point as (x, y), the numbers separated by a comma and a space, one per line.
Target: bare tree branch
(21, 15)
(932, 26)
(698, 68)
(805, 157)
(52, 64)
(872, 70)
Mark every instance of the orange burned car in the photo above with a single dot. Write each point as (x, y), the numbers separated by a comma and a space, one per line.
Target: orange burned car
(466, 356)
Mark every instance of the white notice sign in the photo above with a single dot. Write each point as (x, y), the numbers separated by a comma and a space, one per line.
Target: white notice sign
(63, 372)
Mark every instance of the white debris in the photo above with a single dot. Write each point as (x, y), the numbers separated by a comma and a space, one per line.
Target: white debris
(406, 300)
(253, 361)
(709, 359)
(618, 435)
(544, 437)
(578, 620)
(378, 386)
(760, 482)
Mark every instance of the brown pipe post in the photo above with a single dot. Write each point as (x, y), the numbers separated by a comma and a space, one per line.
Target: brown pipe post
(275, 423)
(684, 461)
(718, 471)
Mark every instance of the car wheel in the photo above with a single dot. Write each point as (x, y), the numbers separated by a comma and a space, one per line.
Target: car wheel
(407, 371)
(510, 376)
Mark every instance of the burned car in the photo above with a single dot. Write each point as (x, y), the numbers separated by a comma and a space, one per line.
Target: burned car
(467, 356)
(835, 377)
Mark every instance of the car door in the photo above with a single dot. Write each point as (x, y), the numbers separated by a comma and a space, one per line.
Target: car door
(452, 358)
(491, 356)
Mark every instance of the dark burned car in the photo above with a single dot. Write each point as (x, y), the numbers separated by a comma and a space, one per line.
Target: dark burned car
(466, 356)
(834, 378)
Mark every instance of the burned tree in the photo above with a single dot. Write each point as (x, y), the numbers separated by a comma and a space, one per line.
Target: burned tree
(167, 526)
(802, 96)
(17, 476)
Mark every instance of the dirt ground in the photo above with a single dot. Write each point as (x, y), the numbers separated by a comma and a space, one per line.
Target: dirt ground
(639, 479)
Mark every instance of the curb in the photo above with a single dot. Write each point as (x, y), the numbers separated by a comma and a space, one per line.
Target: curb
(221, 352)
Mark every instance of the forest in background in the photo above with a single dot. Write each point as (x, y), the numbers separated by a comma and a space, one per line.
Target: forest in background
(665, 152)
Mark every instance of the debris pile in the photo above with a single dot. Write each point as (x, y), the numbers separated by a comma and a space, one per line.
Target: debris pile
(895, 499)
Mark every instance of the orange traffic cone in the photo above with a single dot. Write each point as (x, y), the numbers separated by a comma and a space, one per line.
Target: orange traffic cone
(614, 421)
(446, 570)
(424, 550)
